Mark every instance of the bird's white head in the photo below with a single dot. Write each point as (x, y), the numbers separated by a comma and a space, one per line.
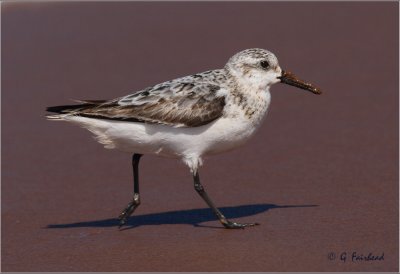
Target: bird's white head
(256, 66)
(260, 68)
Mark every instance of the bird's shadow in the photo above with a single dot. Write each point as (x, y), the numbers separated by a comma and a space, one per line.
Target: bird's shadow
(191, 217)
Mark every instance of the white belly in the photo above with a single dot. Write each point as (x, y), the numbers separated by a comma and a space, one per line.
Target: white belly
(221, 135)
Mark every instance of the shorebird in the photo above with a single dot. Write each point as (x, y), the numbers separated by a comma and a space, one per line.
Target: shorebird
(187, 118)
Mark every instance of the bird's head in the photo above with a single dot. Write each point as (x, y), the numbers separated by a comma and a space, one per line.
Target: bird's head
(260, 67)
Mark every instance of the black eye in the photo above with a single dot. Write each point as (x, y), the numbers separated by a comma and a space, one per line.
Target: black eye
(264, 64)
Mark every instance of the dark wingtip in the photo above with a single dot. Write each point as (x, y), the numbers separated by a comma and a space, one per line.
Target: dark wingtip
(57, 109)
(68, 108)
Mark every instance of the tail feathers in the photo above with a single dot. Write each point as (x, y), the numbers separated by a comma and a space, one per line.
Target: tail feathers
(56, 117)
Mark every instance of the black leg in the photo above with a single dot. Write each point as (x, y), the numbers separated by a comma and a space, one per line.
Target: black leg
(123, 217)
(226, 223)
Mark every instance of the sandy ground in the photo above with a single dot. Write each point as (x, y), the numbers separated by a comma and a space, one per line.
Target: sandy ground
(321, 175)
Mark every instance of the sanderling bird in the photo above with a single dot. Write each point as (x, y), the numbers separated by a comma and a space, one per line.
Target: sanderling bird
(187, 118)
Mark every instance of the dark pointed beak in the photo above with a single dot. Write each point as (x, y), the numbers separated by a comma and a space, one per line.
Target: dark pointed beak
(291, 79)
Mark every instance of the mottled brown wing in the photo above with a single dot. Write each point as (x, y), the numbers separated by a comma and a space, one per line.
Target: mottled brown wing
(178, 104)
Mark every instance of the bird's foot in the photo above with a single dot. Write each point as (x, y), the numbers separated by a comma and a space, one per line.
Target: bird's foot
(123, 217)
(229, 224)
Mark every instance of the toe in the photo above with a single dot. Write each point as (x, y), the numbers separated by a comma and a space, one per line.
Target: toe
(234, 225)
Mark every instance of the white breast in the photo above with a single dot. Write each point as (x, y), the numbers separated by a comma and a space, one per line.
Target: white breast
(240, 122)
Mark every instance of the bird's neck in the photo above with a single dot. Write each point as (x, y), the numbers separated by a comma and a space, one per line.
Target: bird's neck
(248, 100)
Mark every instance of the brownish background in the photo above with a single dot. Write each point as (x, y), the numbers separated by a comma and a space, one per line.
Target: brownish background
(320, 176)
